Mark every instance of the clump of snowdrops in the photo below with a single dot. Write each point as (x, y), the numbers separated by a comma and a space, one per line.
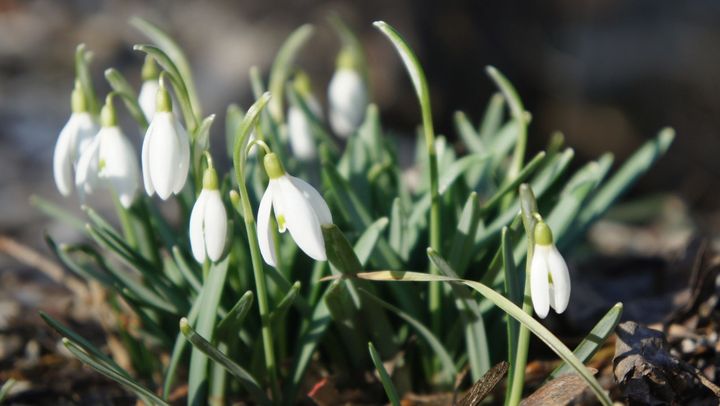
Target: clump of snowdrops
(278, 263)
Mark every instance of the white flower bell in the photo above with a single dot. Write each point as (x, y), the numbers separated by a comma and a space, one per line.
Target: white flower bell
(300, 129)
(74, 138)
(165, 151)
(149, 88)
(298, 207)
(549, 276)
(208, 221)
(347, 95)
(109, 161)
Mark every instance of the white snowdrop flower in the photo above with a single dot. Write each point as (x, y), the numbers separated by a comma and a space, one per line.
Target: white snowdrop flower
(165, 151)
(298, 207)
(149, 88)
(74, 138)
(109, 161)
(549, 277)
(300, 129)
(208, 221)
(347, 95)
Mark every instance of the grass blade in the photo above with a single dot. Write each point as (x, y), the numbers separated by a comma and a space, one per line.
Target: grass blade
(384, 377)
(594, 340)
(246, 379)
(282, 66)
(102, 366)
(175, 53)
(448, 366)
(212, 291)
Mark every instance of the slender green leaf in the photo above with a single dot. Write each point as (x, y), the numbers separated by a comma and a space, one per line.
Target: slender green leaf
(103, 367)
(175, 53)
(448, 367)
(492, 119)
(179, 86)
(204, 346)
(626, 176)
(56, 212)
(5, 389)
(594, 340)
(384, 377)
(282, 66)
(212, 291)
(368, 240)
(231, 323)
(468, 134)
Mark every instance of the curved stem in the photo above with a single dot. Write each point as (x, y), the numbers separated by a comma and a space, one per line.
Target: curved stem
(250, 228)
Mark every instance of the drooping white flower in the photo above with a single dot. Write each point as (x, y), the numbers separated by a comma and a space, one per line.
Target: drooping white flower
(208, 221)
(298, 207)
(300, 129)
(73, 140)
(109, 161)
(347, 95)
(165, 151)
(549, 276)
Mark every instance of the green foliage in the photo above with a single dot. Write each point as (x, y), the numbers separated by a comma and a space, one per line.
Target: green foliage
(469, 207)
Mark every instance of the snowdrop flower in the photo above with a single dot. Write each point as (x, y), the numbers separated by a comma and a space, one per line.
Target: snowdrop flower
(109, 161)
(300, 129)
(149, 88)
(298, 207)
(165, 151)
(549, 277)
(208, 220)
(347, 95)
(74, 138)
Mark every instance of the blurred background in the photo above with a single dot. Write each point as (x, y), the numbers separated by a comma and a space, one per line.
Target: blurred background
(608, 74)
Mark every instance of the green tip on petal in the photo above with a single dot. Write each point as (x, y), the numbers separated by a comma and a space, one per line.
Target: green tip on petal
(273, 166)
(149, 69)
(210, 179)
(78, 102)
(347, 59)
(108, 117)
(543, 234)
(163, 103)
(301, 83)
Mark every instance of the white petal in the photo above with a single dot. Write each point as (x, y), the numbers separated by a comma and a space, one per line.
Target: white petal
(147, 98)
(539, 285)
(278, 208)
(300, 217)
(86, 174)
(561, 280)
(267, 248)
(62, 158)
(347, 98)
(301, 137)
(197, 237)
(87, 128)
(164, 154)
(145, 161)
(184, 159)
(316, 200)
(214, 225)
(75, 136)
(119, 168)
